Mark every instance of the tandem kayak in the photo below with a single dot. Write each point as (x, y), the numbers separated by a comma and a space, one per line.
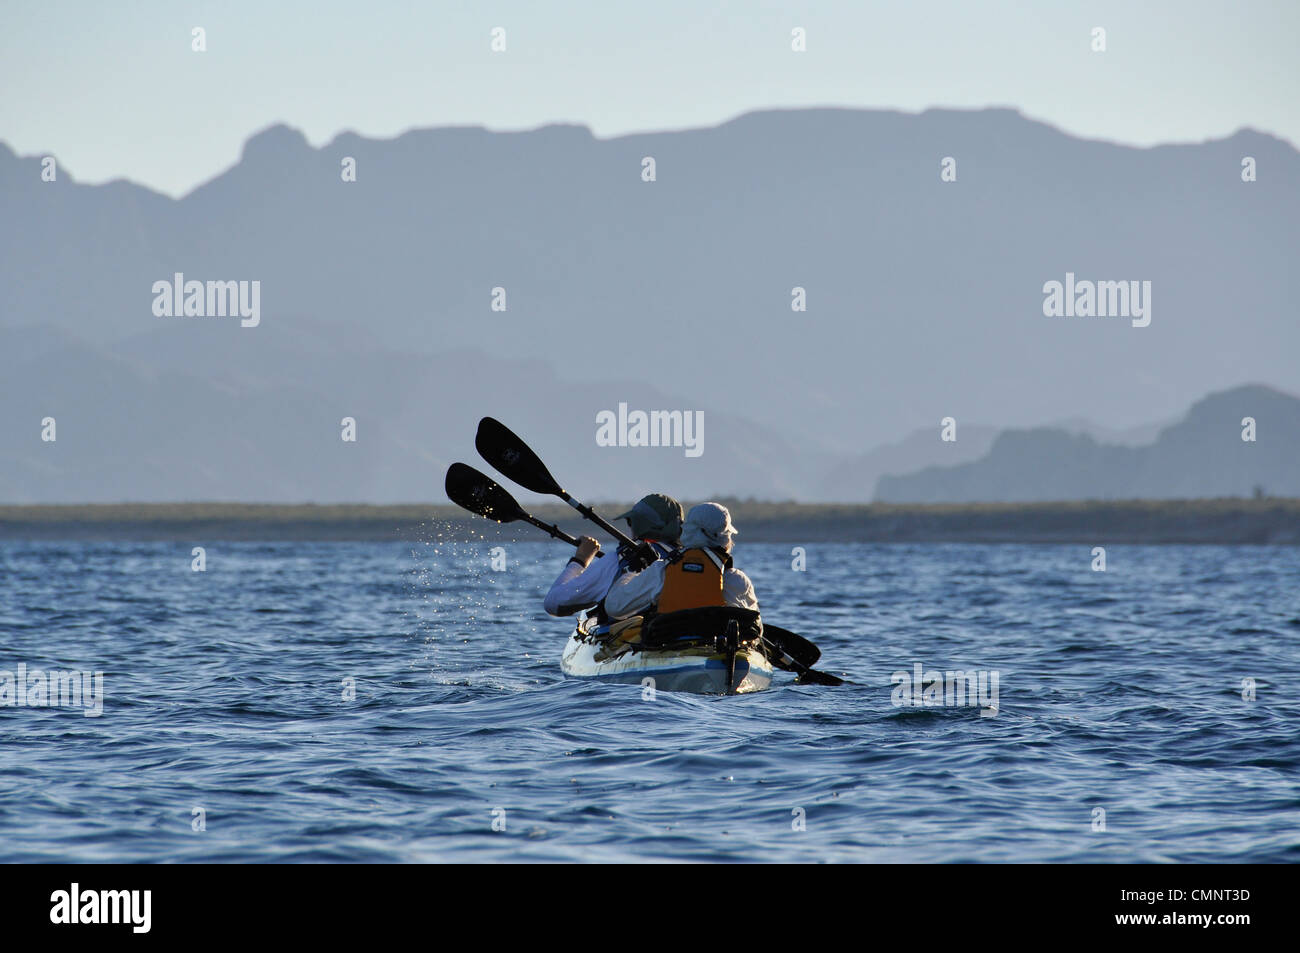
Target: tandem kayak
(690, 651)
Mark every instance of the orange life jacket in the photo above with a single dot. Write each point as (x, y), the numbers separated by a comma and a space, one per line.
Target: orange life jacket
(691, 581)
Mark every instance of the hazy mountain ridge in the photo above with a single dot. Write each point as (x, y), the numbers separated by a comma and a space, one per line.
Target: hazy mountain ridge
(924, 297)
(263, 424)
(855, 480)
(1201, 456)
(262, 421)
(924, 301)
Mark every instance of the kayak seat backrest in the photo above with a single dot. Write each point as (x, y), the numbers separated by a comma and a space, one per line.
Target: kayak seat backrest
(699, 625)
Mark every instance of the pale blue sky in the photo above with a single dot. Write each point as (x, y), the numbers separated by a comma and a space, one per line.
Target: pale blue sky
(113, 89)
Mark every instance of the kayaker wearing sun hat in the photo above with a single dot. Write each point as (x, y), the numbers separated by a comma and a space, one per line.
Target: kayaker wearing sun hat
(702, 575)
(655, 520)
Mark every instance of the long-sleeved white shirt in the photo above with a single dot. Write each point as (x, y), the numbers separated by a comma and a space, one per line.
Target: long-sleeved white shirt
(578, 588)
(635, 592)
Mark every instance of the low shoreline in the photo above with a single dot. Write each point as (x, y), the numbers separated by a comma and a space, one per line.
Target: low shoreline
(1246, 521)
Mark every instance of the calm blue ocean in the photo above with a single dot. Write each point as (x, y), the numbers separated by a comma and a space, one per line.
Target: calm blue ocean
(1164, 692)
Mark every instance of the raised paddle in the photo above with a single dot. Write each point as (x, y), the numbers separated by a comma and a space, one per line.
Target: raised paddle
(480, 494)
(500, 446)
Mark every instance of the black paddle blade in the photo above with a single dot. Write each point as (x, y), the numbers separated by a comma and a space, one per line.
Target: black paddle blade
(480, 494)
(498, 445)
(812, 677)
(793, 645)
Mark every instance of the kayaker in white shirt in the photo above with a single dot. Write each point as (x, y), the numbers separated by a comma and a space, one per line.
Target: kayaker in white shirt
(656, 520)
(706, 542)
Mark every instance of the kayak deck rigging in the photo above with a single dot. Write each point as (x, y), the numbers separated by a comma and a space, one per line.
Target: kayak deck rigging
(714, 652)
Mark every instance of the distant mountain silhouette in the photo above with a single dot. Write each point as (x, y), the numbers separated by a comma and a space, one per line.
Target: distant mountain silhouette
(1202, 455)
(924, 297)
(924, 301)
(211, 412)
(1127, 436)
(854, 480)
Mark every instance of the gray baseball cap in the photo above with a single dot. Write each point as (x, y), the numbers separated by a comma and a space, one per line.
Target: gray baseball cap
(655, 516)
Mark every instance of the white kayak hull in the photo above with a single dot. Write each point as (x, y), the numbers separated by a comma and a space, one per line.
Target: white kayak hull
(698, 670)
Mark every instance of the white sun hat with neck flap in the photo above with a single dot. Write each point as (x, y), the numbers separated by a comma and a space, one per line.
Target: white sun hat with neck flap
(708, 524)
